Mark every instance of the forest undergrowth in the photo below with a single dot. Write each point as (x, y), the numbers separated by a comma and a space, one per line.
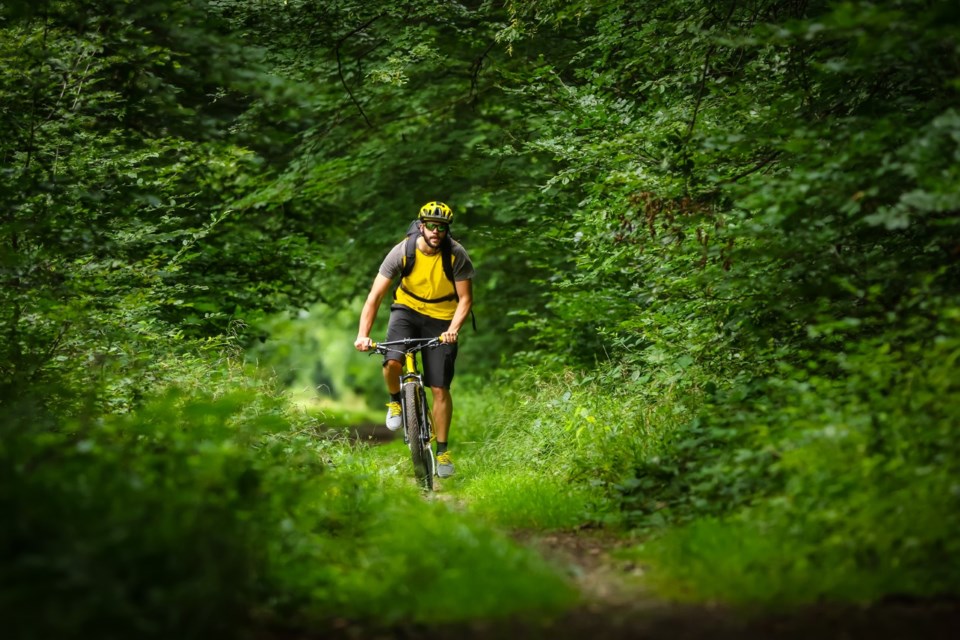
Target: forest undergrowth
(716, 250)
(773, 494)
(220, 507)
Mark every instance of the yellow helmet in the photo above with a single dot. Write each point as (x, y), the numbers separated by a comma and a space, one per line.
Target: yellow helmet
(436, 211)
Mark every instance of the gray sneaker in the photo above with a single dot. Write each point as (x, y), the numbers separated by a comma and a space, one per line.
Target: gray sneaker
(394, 421)
(444, 465)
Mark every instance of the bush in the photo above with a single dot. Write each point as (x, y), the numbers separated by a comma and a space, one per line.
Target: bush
(552, 450)
(199, 516)
(152, 524)
(844, 483)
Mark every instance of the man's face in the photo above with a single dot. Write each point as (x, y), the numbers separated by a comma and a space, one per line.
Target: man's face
(433, 232)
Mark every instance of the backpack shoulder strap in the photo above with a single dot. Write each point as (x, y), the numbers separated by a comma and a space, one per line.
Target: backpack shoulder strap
(410, 248)
(409, 254)
(446, 260)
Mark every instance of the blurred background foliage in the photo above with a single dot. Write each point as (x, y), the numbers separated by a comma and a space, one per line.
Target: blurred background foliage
(717, 286)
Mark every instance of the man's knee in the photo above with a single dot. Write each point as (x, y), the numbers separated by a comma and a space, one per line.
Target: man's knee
(391, 374)
(393, 366)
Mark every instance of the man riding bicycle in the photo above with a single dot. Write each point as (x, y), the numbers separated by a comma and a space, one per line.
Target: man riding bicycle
(433, 299)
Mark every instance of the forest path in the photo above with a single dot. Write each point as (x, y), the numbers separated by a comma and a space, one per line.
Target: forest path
(616, 606)
(615, 603)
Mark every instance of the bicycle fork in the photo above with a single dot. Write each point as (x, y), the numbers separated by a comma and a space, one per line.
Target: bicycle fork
(425, 419)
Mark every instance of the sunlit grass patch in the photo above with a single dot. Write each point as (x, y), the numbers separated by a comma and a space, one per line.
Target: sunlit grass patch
(367, 544)
(394, 555)
(448, 566)
(526, 499)
(547, 453)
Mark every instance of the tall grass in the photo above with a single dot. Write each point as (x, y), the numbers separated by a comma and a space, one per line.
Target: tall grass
(544, 452)
(215, 508)
(773, 491)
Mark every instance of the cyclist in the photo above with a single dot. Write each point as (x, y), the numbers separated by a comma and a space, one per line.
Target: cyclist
(433, 298)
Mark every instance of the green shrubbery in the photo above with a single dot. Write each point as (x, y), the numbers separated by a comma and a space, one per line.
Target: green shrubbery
(209, 512)
(761, 207)
(740, 221)
(154, 523)
(866, 496)
(836, 480)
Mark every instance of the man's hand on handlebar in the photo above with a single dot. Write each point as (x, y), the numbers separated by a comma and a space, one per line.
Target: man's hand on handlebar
(448, 337)
(363, 344)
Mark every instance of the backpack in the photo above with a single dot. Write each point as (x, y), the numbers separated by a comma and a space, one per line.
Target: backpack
(446, 261)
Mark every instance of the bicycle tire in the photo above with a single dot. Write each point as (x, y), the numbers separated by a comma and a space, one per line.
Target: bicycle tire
(430, 459)
(413, 423)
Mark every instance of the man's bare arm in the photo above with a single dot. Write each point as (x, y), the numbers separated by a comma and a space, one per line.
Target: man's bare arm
(465, 292)
(381, 284)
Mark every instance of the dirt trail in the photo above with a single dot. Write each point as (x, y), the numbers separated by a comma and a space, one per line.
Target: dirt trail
(585, 557)
(615, 605)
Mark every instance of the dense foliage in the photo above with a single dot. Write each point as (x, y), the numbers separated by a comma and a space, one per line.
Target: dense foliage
(720, 237)
(766, 211)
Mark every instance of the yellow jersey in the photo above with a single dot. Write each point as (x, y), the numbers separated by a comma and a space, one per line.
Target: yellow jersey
(424, 290)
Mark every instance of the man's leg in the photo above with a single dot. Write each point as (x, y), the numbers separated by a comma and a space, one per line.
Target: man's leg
(398, 328)
(442, 412)
(438, 370)
(391, 375)
(442, 415)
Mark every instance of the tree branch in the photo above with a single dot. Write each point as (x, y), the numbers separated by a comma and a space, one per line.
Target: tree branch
(343, 80)
(760, 165)
(476, 67)
(700, 92)
(703, 77)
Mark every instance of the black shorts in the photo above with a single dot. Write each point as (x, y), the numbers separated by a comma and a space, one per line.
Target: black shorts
(437, 361)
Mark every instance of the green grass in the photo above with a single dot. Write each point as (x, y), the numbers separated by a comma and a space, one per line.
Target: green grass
(339, 418)
(731, 561)
(894, 539)
(402, 555)
(186, 518)
(544, 453)
(525, 499)
(399, 556)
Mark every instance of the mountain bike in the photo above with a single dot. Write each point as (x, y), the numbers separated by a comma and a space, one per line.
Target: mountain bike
(417, 425)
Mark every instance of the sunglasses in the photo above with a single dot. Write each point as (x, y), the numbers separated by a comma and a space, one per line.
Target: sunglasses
(433, 226)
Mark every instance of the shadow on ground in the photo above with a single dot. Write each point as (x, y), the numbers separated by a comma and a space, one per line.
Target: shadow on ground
(615, 606)
(367, 432)
(673, 622)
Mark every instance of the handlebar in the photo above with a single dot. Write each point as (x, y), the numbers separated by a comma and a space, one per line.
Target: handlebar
(410, 345)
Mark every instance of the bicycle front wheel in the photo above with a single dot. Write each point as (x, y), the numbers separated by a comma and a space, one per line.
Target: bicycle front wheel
(418, 436)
